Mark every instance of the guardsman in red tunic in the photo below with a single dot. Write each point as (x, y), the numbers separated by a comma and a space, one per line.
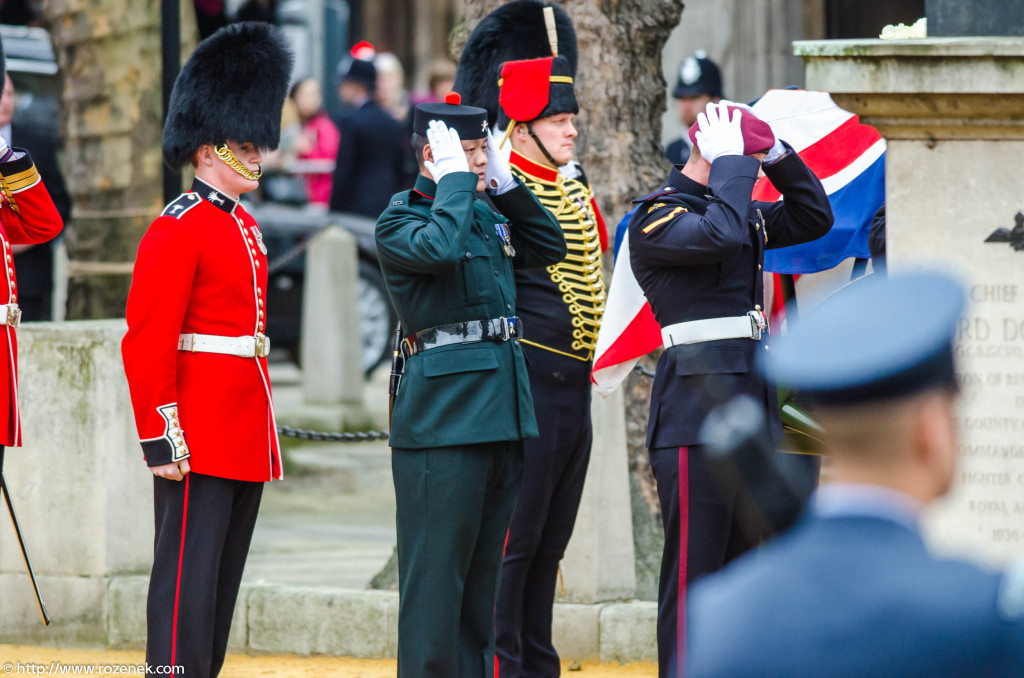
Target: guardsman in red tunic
(195, 352)
(27, 217)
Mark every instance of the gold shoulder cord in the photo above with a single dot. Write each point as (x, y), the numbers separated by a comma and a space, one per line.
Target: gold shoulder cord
(225, 154)
(578, 276)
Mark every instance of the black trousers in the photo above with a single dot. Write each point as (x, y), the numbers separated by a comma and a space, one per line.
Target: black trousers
(701, 535)
(555, 465)
(204, 526)
(453, 509)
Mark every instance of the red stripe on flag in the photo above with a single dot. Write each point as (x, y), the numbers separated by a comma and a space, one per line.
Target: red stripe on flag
(641, 336)
(828, 155)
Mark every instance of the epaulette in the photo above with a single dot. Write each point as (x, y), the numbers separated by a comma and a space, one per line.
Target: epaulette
(183, 203)
(664, 190)
(1010, 600)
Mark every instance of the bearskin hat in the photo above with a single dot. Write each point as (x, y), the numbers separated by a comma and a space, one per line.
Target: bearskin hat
(232, 87)
(513, 32)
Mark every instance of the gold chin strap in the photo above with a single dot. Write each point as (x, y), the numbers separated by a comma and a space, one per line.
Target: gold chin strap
(225, 154)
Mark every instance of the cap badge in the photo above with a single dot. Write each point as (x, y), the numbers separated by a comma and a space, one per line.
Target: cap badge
(690, 72)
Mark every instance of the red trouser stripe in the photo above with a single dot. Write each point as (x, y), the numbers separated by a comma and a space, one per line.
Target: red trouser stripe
(177, 586)
(684, 533)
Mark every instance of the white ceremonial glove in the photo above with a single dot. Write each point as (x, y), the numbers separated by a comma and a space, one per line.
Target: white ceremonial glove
(776, 152)
(497, 177)
(717, 135)
(446, 147)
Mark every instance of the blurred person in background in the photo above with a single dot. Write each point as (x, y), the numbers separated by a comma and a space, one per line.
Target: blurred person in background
(35, 262)
(316, 143)
(374, 146)
(440, 80)
(391, 94)
(699, 83)
(258, 10)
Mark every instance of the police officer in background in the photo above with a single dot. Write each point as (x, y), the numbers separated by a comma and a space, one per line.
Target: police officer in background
(195, 351)
(464, 405)
(698, 84)
(852, 590)
(697, 248)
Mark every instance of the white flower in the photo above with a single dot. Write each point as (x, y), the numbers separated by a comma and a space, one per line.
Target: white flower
(903, 32)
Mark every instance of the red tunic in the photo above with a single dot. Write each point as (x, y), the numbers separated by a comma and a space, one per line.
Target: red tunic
(27, 216)
(201, 269)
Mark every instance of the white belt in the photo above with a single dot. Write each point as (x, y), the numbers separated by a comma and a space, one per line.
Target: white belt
(244, 347)
(10, 315)
(749, 326)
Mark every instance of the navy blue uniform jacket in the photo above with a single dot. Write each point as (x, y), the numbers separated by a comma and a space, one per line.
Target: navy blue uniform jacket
(697, 252)
(853, 596)
(371, 161)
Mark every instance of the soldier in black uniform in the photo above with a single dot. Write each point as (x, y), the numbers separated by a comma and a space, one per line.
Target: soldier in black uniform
(697, 248)
(698, 84)
(563, 305)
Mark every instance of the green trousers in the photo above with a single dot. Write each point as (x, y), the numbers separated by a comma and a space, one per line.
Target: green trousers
(453, 511)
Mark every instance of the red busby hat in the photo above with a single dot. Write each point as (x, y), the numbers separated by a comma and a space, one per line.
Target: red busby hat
(534, 89)
(758, 136)
(512, 32)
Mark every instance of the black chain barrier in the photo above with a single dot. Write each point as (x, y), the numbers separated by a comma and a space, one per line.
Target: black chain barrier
(368, 436)
(326, 437)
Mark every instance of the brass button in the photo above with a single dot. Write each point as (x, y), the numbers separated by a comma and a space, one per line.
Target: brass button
(259, 291)
(757, 308)
(261, 303)
(257, 264)
(261, 326)
(261, 315)
(759, 267)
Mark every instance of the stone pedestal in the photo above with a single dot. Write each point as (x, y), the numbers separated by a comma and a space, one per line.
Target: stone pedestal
(332, 372)
(599, 561)
(80, 484)
(952, 112)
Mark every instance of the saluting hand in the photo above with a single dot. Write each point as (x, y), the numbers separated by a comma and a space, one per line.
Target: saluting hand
(717, 135)
(176, 470)
(446, 149)
(497, 177)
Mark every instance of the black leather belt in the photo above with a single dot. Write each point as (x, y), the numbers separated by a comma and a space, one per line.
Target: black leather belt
(466, 332)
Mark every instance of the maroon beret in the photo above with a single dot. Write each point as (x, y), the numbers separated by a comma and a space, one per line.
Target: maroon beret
(757, 135)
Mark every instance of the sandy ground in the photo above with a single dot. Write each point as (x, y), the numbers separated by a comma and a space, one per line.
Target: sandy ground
(45, 661)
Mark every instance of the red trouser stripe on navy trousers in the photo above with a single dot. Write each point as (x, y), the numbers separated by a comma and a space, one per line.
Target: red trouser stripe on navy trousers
(181, 557)
(684, 533)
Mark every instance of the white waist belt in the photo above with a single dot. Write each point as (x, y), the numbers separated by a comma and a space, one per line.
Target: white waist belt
(243, 347)
(749, 326)
(10, 315)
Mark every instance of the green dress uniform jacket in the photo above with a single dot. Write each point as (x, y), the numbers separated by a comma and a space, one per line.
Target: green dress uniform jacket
(444, 261)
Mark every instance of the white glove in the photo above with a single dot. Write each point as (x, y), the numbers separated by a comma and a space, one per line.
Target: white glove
(717, 135)
(446, 147)
(497, 177)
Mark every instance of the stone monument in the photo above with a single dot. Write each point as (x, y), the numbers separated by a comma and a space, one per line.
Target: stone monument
(952, 112)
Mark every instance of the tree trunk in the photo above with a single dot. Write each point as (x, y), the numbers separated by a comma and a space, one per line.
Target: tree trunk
(108, 53)
(622, 96)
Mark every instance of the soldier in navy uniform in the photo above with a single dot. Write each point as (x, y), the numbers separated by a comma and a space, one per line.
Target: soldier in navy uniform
(562, 304)
(698, 84)
(464, 407)
(851, 590)
(697, 248)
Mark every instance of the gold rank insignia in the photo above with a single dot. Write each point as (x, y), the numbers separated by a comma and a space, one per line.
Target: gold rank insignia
(658, 222)
(655, 206)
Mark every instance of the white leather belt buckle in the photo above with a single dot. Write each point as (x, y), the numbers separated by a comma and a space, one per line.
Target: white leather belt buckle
(244, 347)
(10, 315)
(749, 326)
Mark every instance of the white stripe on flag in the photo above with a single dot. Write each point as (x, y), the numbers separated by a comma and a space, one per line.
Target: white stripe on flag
(854, 169)
(800, 118)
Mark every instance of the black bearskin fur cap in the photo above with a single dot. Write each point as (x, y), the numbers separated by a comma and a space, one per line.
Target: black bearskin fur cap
(512, 32)
(232, 87)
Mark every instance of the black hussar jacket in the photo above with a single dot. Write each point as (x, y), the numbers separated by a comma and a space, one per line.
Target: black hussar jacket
(698, 252)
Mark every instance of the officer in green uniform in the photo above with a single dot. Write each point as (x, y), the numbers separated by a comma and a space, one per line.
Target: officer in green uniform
(464, 404)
